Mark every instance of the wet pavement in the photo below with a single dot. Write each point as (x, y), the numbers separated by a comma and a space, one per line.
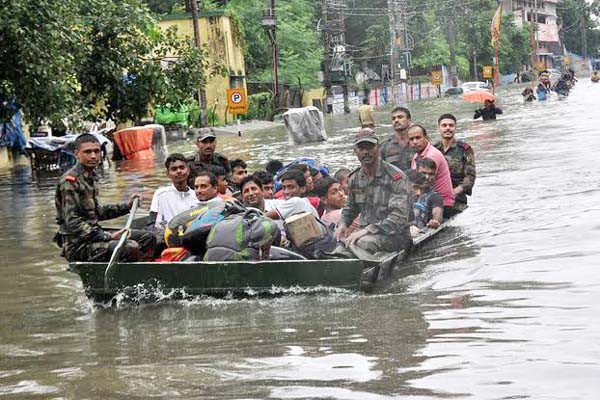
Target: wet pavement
(504, 304)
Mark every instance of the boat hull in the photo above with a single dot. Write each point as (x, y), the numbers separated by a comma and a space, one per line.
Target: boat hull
(220, 278)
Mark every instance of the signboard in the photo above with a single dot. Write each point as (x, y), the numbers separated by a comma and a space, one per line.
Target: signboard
(567, 60)
(236, 101)
(488, 71)
(437, 78)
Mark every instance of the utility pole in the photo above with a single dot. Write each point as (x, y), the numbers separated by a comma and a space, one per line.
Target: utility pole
(393, 58)
(326, 61)
(584, 49)
(451, 43)
(270, 24)
(201, 91)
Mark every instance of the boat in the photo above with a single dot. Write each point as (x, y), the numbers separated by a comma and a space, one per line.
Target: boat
(148, 281)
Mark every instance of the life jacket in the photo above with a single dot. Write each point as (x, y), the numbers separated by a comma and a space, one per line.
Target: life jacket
(240, 237)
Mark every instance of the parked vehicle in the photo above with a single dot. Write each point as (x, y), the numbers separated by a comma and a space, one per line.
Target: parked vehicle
(474, 86)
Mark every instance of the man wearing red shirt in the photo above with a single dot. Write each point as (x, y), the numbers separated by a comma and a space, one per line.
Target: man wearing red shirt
(418, 140)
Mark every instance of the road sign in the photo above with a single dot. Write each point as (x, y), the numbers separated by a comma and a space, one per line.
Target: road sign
(437, 77)
(567, 60)
(488, 71)
(236, 101)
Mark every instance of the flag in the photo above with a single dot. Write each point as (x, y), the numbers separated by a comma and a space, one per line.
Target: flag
(496, 23)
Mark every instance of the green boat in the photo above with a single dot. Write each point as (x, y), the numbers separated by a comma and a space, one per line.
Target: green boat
(147, 281)
(219, 278)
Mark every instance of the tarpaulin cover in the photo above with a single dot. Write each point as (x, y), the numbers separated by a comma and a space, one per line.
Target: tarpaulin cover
(135, 143)
(305, 125)
(11, 132)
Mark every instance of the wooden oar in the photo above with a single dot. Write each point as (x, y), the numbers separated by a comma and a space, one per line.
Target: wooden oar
(117, 252)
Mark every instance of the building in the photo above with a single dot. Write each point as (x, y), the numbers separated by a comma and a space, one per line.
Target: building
(223, 42)
(546, 40)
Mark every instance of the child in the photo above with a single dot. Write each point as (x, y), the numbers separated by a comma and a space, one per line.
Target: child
(428, 206)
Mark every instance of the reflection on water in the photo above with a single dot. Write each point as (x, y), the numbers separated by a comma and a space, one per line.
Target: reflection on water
(504, 304)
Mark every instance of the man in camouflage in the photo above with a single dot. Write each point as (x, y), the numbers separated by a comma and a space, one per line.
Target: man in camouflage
(395, 149)
(78, 213)
(206, 155)
(461, 161)
(381, 194)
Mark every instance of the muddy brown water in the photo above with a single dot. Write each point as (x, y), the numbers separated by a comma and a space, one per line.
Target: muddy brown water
(505, 304)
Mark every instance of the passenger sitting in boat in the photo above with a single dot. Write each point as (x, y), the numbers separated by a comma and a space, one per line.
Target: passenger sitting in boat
(396, 149)
(252, 192)
(171, 200)
(333, 200)
(428, 205)
(381, 194)
(221, 175)
(461, 161)
(419, 141)
(238, 172)
(268, 186)
(316, 175)
(293, 185)
(273, 167)
(206, 156)
(79, 212)
(342, 175)
(428, 168)
(205, 186)
(310, 186)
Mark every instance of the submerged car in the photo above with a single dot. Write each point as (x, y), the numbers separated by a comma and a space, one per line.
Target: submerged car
(453, 91)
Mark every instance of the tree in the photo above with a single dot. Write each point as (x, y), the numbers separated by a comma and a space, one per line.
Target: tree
(92, 59)
(299, 47)
(577, 17)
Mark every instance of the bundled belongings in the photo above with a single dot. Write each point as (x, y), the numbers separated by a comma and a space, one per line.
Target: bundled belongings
(305, 125)
(241, 237)
(190, 228)
(309, 236)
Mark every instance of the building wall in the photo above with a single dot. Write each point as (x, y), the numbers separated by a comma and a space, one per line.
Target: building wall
(223, 45)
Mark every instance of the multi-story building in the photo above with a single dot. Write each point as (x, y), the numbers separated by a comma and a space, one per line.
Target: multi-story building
(545, 39)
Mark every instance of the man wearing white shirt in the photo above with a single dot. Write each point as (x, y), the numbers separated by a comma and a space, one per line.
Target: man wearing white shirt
(293, 184)
(174, 199)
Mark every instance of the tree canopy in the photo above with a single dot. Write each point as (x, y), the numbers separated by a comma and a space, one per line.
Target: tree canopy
(90, 59)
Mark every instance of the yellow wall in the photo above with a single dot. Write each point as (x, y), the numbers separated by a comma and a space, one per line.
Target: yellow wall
(223, 45)
(310, 94)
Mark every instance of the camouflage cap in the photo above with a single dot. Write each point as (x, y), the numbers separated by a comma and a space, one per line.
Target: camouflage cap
(366, 135)
(205, 133)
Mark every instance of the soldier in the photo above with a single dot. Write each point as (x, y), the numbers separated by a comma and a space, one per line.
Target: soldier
(382, 194)
(78, 213)
(206, 156)
(461, 161)
(396, 150)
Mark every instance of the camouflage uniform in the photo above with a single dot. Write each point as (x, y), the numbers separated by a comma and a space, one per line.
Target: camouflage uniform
(397, 154)
(384, 203)
(197, 165)
(461, 161)
(78, 214)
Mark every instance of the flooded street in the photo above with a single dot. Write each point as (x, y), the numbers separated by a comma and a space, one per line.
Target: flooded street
(504, 304)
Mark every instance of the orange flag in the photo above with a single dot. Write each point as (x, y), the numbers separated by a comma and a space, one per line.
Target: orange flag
(496, 24)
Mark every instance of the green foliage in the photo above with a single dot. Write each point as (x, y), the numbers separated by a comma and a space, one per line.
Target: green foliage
(92, 59)
(259, 106)
(300, 51)
(577, 17)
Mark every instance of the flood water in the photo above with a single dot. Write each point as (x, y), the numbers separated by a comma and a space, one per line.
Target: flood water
(504, 305)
